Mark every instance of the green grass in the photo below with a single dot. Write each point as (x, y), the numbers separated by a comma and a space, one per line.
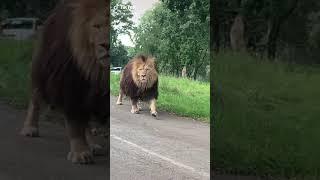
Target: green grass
(266, 117)
(15, 58)
(183, 97)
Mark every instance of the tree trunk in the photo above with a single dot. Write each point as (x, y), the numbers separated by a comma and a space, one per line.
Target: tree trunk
(274, 30)
(214, 27)
(184, 72)
(237, 34)
(195, 73)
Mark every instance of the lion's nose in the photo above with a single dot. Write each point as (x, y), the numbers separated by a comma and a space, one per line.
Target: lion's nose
(143, 75)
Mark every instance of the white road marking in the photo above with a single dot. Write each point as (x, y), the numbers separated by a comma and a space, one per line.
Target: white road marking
(160, 156)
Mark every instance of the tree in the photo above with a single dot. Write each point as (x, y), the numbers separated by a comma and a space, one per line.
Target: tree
(279, 12)
(177, 33)
(121, 18)
(121, 23)
(279, 29)
(33, 8)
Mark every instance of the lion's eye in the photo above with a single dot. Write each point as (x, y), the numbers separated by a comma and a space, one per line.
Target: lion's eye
(140, 69)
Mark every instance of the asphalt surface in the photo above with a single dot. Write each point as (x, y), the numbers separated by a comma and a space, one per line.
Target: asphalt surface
(142, 147)
(145, 148)
(42, 158)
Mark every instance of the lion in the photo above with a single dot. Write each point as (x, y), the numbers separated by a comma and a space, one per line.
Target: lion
(70, 73)
(139, 81)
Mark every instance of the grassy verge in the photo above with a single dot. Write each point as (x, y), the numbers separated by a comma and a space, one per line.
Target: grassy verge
(181, 96)
(15, 57)
(266, 117)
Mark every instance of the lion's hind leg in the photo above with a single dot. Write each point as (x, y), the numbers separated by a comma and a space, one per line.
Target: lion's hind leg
(31, 123)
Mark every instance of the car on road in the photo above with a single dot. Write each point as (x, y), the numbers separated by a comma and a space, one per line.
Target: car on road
(21, 28)
(116, 70)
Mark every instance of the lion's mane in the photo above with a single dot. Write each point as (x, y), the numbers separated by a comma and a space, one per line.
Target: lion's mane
(130, 85)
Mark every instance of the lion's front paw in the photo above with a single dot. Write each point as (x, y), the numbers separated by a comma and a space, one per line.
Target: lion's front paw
(98, 150)
(82, 157)
(135, 111)
(30, 131)
(119, 102)
(139, 107)
(154, 114)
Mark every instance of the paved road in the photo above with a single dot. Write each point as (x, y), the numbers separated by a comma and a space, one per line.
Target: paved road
(42, 158)
(143, 148)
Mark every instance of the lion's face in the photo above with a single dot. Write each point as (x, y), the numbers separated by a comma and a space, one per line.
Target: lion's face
(98, 36)
(90, 33)
(144, 72)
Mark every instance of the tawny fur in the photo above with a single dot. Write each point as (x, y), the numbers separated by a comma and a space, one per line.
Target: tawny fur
(130, 83)
(139, 81)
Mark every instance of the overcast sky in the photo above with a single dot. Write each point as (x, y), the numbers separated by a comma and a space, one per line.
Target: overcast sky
(139, 8)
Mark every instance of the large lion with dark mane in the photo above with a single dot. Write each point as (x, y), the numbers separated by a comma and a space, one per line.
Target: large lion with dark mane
(139, 81)
(70, 72)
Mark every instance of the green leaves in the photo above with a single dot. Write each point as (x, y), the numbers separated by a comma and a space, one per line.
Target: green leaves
(34, 8)
(177, 33)
(121, 23)
(121, 18)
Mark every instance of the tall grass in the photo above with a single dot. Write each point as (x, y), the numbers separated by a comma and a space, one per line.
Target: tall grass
(15, 58)
(266, 117)
(181, 96)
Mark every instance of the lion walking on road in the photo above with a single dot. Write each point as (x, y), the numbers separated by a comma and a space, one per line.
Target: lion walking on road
(139, 81)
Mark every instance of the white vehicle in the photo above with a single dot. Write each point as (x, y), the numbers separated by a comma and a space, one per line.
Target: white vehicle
(116, 70)
(19, 28)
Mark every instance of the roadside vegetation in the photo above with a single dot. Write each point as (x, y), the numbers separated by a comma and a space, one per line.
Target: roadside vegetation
(266, 117)
(266, 104)
(15, 59)
(177, 95)
(180, 96)
(176, 33)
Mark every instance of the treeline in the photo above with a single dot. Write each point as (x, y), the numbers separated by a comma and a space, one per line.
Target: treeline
(121, 23)
(177, 33)
(29, 8)
(287, 30)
